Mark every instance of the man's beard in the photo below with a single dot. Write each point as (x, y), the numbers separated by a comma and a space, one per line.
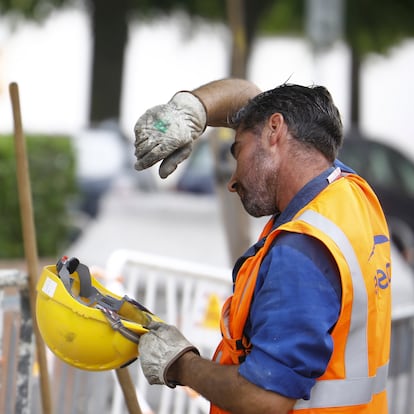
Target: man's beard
(257, 192)
(258, 200)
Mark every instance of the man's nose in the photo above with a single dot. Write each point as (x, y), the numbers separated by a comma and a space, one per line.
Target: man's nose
(232, 184)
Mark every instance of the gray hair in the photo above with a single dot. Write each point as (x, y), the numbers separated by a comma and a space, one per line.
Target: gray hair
(309, 112)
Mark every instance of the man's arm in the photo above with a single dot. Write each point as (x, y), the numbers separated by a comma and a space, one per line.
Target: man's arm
(224, 97)
(168, 358)
(225, 387)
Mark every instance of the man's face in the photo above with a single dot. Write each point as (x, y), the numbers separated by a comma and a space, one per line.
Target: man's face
(256, 172)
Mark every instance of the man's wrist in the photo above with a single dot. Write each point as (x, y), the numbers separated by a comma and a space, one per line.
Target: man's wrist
(194, 104)
(175, 373)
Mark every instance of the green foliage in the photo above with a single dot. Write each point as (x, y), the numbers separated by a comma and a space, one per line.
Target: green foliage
(52, 174)
(212, 9)
(370, 25)
(377, 25)
(283, 17)
(32, 9)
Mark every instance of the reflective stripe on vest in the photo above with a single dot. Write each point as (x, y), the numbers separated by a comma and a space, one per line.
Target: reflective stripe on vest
(357, 388)
(346, 392)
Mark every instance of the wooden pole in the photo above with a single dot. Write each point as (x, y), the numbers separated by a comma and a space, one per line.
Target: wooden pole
(29, 240)
(128, 389)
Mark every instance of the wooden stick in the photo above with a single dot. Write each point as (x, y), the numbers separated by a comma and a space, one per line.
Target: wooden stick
(128, 389)
(29, 240)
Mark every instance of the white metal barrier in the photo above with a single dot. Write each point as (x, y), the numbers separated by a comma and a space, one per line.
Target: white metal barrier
(16, 344)
(188, 295)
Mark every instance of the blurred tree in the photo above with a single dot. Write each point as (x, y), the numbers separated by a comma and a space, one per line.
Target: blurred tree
(109, 22)
(110, 32)
(373, 26)
(369, 26)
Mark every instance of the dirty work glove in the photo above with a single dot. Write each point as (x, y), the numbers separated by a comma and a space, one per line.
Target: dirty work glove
(166, 132)
(159, 349)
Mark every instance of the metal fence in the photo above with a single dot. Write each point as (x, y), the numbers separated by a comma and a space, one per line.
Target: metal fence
(16, 345)
(401, 373)
(182, 293)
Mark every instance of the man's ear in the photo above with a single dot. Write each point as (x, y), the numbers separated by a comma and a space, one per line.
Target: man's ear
(276, 124)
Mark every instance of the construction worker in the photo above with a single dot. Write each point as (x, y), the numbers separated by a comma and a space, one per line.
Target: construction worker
(307, 328)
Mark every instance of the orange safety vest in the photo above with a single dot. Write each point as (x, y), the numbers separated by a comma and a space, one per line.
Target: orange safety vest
(347, 217)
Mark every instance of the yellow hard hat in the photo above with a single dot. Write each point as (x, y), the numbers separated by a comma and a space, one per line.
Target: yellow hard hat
(83, 323)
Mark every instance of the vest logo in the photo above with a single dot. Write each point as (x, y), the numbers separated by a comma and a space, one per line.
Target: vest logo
(382, 279)
(378, 239)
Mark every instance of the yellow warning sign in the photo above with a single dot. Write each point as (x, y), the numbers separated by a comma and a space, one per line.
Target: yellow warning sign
(212, 314)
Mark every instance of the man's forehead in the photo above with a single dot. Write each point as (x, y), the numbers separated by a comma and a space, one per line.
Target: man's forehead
(243, 134)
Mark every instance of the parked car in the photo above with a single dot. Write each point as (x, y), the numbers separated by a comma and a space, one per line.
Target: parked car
(104, 154)
(198, 171)
(100, 157)
(388, 170)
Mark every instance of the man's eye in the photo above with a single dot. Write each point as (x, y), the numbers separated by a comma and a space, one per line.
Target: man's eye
(232, 150)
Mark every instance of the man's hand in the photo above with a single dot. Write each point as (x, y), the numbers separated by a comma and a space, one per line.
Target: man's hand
(166, 132)
(159, 349)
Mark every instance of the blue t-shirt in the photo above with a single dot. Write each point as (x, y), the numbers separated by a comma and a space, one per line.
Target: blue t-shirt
(295, 306)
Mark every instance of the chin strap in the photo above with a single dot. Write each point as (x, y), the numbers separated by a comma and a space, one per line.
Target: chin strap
(90, 296)
(116, 324)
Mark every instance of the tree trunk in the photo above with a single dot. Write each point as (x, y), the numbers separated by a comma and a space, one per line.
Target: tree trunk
(237, 24)
(355, 91)
(109, 23)
(236, 220)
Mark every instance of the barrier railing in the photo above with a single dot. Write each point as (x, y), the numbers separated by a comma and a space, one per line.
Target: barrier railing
(16, 345)
(401, 374)
(190, 296)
